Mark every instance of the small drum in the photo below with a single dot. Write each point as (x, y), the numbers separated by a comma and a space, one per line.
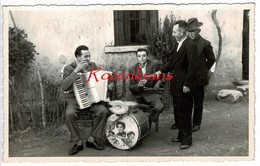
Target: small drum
(132, 106)
(124, 131)
(118, 107)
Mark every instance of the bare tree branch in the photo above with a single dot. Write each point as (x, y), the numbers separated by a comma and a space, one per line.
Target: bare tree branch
(215, 20)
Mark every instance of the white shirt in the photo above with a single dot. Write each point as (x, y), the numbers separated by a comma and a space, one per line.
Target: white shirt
(180, 43)
(143, 68)
(179, 46)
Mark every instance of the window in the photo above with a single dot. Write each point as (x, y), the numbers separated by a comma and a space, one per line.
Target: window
(130, 26)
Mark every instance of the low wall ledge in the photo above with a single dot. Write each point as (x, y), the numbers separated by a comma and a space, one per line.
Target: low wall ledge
(122, 49)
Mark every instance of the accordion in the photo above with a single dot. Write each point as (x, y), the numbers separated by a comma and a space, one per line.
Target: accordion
(88, 91)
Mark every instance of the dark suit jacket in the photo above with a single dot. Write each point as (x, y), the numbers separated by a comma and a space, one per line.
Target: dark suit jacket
(151, 67)
(183, 65)
(206, 60)
(69, 77)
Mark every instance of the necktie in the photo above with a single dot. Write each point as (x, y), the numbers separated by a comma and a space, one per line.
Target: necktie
(142, 66)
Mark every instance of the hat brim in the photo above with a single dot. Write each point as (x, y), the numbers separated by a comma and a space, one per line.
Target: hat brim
(196, 27)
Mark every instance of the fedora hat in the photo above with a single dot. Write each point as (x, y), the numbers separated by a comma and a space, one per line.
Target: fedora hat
(193, 24)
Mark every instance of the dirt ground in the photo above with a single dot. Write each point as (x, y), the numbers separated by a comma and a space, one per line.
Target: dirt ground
(224, 132)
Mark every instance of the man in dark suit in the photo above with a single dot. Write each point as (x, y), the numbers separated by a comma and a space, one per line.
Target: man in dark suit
(100, 112)
(137, 86)
(183, 65)
(206, 60)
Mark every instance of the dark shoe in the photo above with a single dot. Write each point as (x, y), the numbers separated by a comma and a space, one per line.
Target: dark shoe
(195, 128)
(174, 126)
(75, 149)
(176, 140)
(94, 145)
(183, 147)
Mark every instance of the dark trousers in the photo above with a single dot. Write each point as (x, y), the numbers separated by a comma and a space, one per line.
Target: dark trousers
(198, 98)
(99, 111)
(156, 106)
(183, 112)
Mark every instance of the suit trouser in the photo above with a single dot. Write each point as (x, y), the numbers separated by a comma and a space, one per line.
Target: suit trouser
(198, 97)
(156, 105)
(99, 111)
(183, 111)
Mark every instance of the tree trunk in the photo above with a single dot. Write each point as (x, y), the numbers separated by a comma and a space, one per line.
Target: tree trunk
(215, 20)
(42, 99)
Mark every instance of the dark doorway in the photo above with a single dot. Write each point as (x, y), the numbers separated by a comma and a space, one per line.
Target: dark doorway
(245, 46)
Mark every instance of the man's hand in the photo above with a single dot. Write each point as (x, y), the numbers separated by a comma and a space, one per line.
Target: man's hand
(80, 66)
(157, 85)
(186, 89)
(210, 73)
(158, 72)
(141, 83)
(111, 86)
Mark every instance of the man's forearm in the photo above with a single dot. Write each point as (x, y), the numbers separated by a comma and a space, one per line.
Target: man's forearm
(68, 81)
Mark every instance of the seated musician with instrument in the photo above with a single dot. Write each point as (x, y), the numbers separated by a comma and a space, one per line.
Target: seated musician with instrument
(152, 98)
(100, 112)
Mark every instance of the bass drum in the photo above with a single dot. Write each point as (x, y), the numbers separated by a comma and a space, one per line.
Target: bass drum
(124, 131)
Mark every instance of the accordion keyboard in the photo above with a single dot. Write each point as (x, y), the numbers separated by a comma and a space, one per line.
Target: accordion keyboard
(82, 95)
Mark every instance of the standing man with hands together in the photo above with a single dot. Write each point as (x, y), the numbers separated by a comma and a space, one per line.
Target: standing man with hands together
(183, 64)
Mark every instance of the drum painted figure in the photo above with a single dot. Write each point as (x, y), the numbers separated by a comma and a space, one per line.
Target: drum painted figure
(124, 131)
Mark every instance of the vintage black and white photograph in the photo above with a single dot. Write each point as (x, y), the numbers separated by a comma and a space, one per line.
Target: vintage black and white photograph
(128, 81)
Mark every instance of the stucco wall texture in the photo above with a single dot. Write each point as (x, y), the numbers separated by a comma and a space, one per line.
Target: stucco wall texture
(57, 33)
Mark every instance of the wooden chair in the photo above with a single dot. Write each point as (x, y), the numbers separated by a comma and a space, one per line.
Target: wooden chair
(82, 117)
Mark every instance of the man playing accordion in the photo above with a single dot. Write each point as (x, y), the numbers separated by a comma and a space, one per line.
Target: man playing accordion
(100, 112)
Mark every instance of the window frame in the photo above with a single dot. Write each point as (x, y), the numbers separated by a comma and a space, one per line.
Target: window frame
(122, 26)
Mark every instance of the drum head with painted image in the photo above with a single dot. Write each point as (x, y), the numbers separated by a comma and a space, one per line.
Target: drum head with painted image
(122, 131)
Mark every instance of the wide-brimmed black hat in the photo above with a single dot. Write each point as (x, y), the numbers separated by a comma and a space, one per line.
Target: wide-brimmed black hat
(193, 24)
